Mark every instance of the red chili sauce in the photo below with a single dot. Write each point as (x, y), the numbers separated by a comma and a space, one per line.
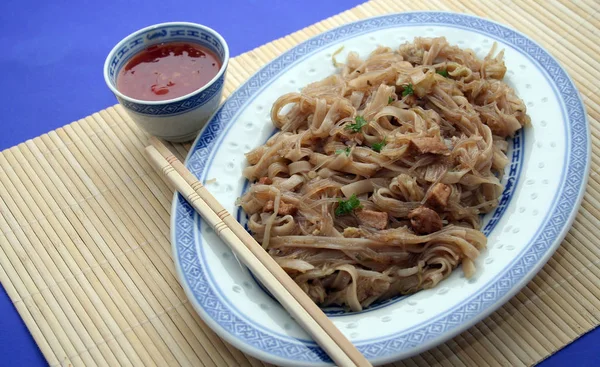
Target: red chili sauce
(167, 71)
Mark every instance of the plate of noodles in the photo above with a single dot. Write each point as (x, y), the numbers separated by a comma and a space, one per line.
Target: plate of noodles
(411, 172)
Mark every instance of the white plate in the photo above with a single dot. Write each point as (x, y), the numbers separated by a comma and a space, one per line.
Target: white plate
(544, 185)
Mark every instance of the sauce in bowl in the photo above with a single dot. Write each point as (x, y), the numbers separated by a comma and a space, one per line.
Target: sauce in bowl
(167, 71)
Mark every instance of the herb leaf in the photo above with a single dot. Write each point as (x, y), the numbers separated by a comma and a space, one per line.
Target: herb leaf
(443, 73)
(347, 206)
(390, 100)
(346, 150)
(378, 146)
(356, 126)
(408, 90)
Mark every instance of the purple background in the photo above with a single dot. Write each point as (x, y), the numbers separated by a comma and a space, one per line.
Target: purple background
(52, 75)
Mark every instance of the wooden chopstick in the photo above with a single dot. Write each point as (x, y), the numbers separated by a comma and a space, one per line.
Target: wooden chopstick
(283, 288)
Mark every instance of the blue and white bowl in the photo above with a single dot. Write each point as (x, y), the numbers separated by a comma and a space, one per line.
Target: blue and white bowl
(178, 119)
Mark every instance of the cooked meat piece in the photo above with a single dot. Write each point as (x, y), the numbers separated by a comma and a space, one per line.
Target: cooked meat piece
(373, 218)
(429, 144)
(424, 220)
(265, 181)
(438, 196)
(284, 209)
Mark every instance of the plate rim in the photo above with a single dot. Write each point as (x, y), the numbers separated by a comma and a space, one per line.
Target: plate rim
(498, 302)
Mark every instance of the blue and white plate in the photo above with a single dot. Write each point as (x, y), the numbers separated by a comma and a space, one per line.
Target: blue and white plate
(543, 187)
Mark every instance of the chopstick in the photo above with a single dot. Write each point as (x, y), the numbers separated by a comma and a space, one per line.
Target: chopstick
(251, 253)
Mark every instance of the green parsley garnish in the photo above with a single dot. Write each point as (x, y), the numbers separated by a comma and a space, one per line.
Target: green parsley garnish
(378, 146)
(346, 150)
(443, 73)
(408, 90)
(347, 206)
(390, 100)
(356, 126)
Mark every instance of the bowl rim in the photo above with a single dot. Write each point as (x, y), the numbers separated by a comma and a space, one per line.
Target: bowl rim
(127, 38)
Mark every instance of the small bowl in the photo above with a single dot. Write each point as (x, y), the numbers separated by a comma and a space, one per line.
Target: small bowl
(178, 119)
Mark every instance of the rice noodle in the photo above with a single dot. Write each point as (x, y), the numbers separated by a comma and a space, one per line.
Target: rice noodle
(420, 172)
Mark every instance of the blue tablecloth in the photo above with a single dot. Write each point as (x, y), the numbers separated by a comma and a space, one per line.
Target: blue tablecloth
(52, 74)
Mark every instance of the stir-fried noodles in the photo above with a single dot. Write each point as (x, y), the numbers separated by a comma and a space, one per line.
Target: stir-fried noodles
(375, 184)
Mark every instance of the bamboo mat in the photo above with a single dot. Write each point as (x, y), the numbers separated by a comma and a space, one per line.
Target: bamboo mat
(85, 253)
